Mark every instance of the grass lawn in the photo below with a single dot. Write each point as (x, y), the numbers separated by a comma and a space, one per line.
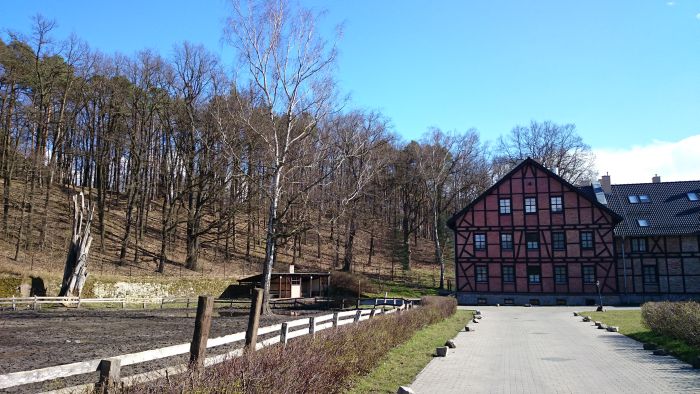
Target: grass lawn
(404, 362)
(630, 323)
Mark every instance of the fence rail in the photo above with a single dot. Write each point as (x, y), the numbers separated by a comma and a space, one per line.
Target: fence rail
(35, 302)
(282, 334)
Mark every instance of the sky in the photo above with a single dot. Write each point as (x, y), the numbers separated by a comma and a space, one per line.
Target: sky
(626, 72)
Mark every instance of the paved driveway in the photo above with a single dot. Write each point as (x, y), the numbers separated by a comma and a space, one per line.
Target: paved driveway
(547, 350)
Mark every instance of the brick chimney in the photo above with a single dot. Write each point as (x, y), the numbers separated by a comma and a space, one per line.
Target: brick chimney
(291, 268)
(656, 179)
(605, 183)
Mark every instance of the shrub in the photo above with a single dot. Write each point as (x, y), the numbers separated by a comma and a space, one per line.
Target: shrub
(324, 364)
(680, 320)
(347, 284)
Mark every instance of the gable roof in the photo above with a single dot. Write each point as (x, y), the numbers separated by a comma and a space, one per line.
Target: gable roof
(668, 212)
(451, 223)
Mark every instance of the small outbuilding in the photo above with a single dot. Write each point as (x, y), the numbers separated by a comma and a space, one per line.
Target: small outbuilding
(289, 284)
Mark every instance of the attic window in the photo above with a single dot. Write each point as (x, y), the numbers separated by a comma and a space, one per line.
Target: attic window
(693, 196)
(642, 223)
(633, 199)
(644, 198)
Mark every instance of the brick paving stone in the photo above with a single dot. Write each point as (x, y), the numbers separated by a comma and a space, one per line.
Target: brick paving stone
(548, 350)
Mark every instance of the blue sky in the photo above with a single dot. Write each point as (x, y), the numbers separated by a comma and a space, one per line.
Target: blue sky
(627, 73)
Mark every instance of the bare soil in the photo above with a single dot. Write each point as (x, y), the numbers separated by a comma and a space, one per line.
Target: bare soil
(37, 339)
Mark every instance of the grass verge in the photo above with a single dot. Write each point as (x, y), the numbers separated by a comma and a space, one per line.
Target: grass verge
(630, 323)
(404, 362)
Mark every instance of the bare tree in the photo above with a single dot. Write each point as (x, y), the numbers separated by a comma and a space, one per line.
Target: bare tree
(75, 272)
(557, 147)
(448, 164)
(288, 65)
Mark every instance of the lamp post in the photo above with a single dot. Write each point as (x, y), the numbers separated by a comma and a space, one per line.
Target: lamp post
(600, 297)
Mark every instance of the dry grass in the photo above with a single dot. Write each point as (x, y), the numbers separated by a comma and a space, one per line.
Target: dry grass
(48, 262)
(324, 364)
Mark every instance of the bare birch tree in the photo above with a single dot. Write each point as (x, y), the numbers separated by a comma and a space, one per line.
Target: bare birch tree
(289, 66)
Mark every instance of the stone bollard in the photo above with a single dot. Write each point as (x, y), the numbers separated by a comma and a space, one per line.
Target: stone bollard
(613, 328)
(405, 390)
(575, 313)
(602, 327)
(660, 352)
(586, 318)
(477, 312)
(469, 329)
(441, 351)
(696, 363)
(474, 320)
(450, 344)
(597, 323)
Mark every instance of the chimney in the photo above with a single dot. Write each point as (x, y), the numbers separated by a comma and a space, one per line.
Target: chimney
(605, 183)
(656, 179)
(291, 268)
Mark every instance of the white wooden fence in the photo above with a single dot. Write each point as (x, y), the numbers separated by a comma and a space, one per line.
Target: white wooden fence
(284, 332)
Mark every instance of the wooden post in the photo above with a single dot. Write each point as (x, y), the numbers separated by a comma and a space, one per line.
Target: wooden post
(202, 324)
(162, 301)
(357, 315)
(371, 315)
(251, 334)
(188, 303)
(335, 319)
(123, 303)
(110, 371)
(312, 326)
(283, 333)
(35, 303)
(14, 306)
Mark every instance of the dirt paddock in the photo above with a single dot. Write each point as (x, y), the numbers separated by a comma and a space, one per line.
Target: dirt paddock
(44, 338)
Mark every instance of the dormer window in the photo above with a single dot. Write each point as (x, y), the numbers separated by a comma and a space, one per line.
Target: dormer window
(693, 196)
(633, 199)
(644, 198)
(638, 198)
(643, 222)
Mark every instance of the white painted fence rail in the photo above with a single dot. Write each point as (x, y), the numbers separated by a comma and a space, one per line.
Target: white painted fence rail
(311, 325)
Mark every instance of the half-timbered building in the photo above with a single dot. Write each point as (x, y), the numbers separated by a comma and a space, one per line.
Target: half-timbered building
(534, 238)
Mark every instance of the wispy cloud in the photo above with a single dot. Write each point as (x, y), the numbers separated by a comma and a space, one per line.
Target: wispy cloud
(670, 3)
(697, 16)
(673, 161)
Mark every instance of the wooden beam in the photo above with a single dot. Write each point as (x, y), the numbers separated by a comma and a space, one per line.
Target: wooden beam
(202, 324)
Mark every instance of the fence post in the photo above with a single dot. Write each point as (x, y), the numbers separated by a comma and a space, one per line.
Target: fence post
(251, 334)
(110, 371)
(14, 306)
(202, 324)
(35, 304)
(162, 301)
(335, 319)
(357, 315)
(312, 326)
(283, 333)
(188, 303)
(371, 315)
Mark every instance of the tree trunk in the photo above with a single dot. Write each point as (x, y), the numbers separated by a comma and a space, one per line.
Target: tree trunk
(349, 241)
(75, 272)
(436, 243)
(271, 240)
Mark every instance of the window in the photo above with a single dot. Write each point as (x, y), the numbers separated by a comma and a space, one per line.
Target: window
(650, 277)
(533, 274)
(506, 241)
(555, 203)
(560, 275)
(639, 244)
(558, 241)
(586, 240)
(530, 205)
(588, 274)
(633, 199)
(508, 274)
(504, 206)
(482, 274)
(644, 198)
(296, 280)
(693, 196)
(532, 240)
(479, 241)
(643, 222)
